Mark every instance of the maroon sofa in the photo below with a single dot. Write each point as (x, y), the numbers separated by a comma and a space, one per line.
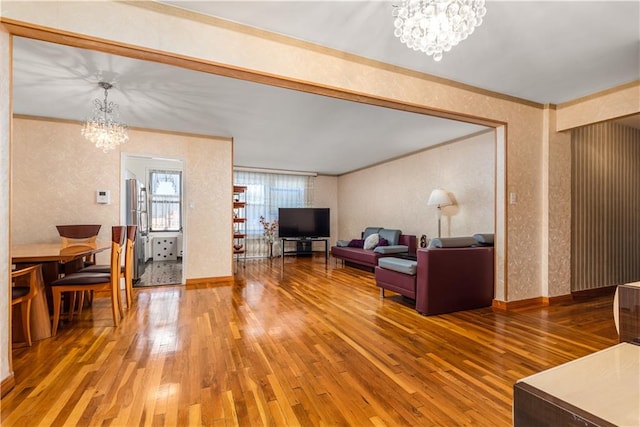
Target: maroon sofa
(368, 259)
(454, 279)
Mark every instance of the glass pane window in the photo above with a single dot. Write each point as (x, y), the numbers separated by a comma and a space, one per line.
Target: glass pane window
(165, 200)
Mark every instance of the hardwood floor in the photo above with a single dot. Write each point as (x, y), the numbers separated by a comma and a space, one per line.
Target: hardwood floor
(313, 345)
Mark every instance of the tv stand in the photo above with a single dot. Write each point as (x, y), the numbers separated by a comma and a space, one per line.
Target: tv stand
(304, 246)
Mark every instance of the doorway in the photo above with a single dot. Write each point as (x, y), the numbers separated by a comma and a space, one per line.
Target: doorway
(162, 238)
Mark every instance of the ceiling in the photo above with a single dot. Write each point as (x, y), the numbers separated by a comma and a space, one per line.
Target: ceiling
(546, 52)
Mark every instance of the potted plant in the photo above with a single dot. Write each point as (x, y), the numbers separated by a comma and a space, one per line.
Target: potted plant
(269, 230)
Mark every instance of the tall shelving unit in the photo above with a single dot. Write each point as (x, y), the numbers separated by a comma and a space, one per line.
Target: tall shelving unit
(239, 224)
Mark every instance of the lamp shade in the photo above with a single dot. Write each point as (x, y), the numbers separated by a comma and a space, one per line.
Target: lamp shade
(439, 197)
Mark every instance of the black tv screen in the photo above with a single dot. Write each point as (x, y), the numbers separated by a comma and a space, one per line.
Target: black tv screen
(303, 222)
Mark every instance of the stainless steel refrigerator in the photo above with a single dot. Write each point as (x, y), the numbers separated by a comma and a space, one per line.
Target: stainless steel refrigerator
(137, 215)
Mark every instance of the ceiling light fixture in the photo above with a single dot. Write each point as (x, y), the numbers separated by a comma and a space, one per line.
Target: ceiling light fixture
(104, 129)
(435, 26)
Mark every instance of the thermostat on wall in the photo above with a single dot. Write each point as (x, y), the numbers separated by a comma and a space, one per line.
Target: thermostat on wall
(103, 197)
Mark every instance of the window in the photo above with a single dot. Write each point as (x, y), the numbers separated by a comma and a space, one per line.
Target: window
(266, 192)
(165, 200)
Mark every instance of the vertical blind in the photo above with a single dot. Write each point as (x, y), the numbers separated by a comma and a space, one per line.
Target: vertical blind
(266, 192)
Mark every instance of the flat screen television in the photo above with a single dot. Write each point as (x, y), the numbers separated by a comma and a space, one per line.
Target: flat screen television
(303, 222)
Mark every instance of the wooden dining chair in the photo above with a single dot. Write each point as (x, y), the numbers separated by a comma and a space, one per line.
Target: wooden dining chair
(25, 284)
(87, 281)
(79, 234)
(126, 272)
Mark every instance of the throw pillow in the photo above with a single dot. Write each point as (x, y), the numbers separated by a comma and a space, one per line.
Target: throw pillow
(382, 242)
(371, 242)
(356, 243)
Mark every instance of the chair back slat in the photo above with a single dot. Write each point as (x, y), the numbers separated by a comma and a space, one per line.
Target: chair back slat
(132, 234)
(118, 233)
(79, 235)
(78, 231)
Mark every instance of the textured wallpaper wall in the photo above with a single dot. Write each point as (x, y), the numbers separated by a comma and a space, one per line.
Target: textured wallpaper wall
(394, 194)
(556, 211)
(606, 105)
(56, 173)
(5, 125)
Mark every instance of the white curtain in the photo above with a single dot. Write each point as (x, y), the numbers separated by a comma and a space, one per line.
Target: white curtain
(165, 200)
(266, 192)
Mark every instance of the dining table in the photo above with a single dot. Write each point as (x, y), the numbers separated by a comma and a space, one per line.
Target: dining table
(56, 259)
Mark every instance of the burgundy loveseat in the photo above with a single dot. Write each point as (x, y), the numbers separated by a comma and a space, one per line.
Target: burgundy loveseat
(368, 259)
(453, 274)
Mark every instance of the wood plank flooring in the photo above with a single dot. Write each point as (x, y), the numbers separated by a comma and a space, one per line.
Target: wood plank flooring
(311, 345)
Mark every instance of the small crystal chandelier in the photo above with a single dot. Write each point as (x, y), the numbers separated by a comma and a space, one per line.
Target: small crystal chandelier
(104, 129)
(435, 26)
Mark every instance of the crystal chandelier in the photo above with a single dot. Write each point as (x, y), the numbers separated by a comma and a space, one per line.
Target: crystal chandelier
(104, 129)
(435, 26)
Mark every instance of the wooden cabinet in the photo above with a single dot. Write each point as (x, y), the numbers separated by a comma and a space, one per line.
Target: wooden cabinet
(626, 314)
(239, 224)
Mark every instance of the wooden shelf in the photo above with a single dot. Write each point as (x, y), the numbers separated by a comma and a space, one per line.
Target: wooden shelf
(239, 223)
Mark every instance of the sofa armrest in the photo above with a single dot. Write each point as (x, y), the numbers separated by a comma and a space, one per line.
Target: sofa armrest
(394, 249)
(454, 279)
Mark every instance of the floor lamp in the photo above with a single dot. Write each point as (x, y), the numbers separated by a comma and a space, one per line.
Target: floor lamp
(439, 198)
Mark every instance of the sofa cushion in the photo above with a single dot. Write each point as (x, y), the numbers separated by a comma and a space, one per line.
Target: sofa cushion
(342, 243)
(395, 249)
(369, 231)
(485, 239)
(453, 242)
(400, 265)
(356, 255)
(392, 236)
(371, 242)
